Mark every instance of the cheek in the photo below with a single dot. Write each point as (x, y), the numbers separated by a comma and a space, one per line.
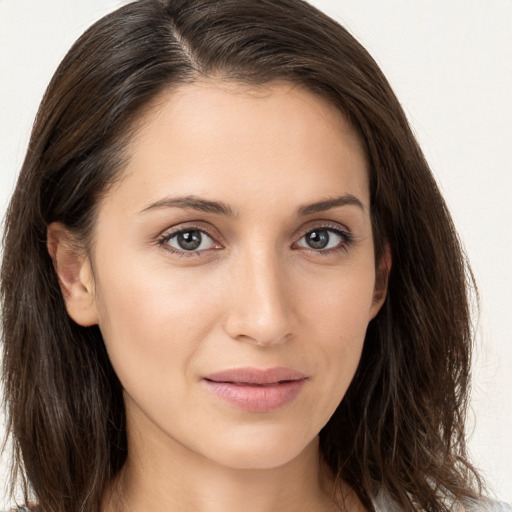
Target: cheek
(341, 304)
(338, 318)
(152, 321)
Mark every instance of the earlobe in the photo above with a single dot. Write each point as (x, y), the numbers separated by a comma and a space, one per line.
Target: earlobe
(381, 282)
(74, 273)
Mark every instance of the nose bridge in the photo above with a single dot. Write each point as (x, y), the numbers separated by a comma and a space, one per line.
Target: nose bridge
(260, 309)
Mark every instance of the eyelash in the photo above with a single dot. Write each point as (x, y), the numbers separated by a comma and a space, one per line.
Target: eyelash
(166, 237)
(347, 240)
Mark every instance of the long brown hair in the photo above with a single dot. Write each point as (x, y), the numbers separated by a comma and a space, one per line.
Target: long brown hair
(400, 427)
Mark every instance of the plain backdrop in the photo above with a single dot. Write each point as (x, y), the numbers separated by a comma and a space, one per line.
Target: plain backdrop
(450, 63)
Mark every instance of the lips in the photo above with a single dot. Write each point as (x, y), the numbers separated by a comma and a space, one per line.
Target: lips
(255, 389)
(256, 376)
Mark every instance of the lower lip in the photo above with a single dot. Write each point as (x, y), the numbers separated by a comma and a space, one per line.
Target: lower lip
(264, 398)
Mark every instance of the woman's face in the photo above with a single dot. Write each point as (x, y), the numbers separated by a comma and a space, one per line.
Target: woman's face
(234, 272)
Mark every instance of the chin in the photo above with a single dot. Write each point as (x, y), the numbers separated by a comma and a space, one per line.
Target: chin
(261, 449)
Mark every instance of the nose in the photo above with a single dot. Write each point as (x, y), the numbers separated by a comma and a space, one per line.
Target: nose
(260, 310)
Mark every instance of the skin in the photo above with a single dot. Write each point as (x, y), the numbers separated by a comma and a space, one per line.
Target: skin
(255, 293)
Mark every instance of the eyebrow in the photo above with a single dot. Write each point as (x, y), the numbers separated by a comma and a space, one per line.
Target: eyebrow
(220, 208)
(327, 204)
(194, 203)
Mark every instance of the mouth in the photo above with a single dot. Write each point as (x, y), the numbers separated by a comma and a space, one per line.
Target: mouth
(256, 390)
(256, 376)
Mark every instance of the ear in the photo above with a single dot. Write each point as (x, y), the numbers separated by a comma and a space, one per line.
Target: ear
(381, 282)
(74, 273)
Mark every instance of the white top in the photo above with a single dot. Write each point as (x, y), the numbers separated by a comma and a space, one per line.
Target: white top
(385, 504)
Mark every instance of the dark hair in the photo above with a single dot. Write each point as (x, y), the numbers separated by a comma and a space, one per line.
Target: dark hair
(400, 427)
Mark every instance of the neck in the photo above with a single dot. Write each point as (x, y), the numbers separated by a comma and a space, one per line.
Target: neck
(163, 475)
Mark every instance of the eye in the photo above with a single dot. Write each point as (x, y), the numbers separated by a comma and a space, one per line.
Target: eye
(189, 240)
(325, 239)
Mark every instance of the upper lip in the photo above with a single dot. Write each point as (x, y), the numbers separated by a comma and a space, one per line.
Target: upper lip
(251, 375)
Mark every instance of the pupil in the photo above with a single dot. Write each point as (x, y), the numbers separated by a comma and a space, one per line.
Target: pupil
(318, 239)
(189, 240)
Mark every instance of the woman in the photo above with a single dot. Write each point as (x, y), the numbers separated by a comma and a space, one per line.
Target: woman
(229, 280)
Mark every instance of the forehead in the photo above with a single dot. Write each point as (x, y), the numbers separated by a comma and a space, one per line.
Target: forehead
(275, 142)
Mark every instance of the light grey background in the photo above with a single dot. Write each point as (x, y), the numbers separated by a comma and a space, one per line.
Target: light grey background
(450, 63)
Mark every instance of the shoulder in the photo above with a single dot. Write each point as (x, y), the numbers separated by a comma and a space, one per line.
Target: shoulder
(487, 505)
(20, 508)
(385, 504)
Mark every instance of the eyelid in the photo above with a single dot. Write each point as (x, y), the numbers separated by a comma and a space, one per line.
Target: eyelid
(204, 227)
(322, 224)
